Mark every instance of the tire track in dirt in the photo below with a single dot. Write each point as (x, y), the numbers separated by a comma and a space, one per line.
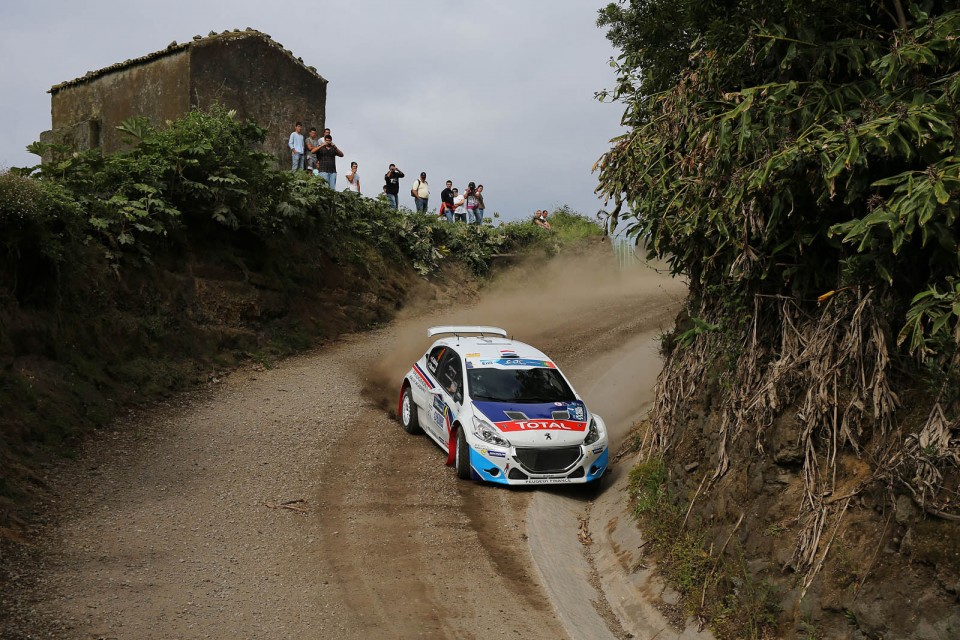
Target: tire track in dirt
(411, 564)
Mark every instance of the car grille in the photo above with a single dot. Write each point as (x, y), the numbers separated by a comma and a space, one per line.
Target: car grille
(552, 460)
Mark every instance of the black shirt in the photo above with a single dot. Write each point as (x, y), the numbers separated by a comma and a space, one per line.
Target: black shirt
(327, 158)
(392, 180)
(447, 196)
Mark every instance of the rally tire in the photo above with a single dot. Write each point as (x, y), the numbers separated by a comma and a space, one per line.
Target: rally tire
(408, 414)
(595, 487)
(461, 463)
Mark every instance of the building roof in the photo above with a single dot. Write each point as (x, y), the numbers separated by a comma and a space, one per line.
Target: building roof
(174, 47)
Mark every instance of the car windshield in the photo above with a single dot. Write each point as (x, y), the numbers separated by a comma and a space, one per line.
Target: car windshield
(531, 386)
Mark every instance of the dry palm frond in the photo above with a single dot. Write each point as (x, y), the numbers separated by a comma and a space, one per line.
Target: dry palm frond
(924, 454)
(832, 365)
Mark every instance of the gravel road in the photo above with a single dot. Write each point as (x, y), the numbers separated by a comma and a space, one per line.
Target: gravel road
(289, 503)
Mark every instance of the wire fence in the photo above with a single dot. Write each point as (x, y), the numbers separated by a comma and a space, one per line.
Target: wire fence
(628, 254)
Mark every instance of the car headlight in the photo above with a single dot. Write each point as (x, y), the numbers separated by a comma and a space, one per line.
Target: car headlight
(486, 432)
(593, 434)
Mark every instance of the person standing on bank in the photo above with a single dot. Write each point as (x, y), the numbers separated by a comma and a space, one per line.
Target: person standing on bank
(540, 219)
(471, 202)
(421, 192)
(480, 205)
(391, 181)
(459, 210)
(327, 156)
(353, 179)
(446, 201)
(296, 147)
(311, 143)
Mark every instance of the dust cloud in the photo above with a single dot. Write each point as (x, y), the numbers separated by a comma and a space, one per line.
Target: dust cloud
(572, 307)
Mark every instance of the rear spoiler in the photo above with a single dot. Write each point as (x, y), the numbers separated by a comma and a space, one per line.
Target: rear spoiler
(460, 330)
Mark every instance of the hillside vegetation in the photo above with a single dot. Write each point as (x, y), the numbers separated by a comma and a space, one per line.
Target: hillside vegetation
(798, 162)
(126, 277)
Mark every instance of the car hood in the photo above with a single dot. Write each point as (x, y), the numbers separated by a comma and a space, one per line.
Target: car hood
(546, 424)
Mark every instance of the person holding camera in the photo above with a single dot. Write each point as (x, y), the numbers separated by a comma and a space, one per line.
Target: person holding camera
(471, 202)
(353, 178)
(391, 181)
(327, 156)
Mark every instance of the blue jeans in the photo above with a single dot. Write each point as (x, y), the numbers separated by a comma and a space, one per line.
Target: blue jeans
(392, 200)
(331, 179)
(478, 215)
(448, 213)
(296, 161)
(421, 204)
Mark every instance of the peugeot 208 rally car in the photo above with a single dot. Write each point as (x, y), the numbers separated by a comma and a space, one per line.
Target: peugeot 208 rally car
(502, 410)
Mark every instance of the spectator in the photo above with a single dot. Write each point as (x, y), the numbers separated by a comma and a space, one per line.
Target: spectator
(480, 205)
(540, 219)
(446, 201)
(312, 143)
(392, 184)
(471, 202)
(459, 211)
(327, 156)
(421, 192)
(353, 179)
(296, 147)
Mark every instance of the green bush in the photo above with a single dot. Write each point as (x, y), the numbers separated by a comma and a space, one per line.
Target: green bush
(815, 152)
(41, 233)
(570, 226)
(201, 179)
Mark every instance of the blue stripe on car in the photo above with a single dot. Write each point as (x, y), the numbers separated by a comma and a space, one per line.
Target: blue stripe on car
(495, 411)
(600, 462)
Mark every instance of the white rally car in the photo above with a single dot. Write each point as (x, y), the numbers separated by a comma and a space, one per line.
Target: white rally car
(501, 410)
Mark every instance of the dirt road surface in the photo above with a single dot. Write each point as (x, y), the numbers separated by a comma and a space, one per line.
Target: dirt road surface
(289, 503)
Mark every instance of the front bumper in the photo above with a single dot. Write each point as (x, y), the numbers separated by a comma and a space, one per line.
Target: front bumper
(519, 465)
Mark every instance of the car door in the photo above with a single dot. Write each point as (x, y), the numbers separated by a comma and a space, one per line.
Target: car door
(433, 401)
(425, 378)
(449, 398)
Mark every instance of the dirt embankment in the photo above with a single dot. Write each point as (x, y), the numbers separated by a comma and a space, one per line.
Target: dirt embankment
(284, 502)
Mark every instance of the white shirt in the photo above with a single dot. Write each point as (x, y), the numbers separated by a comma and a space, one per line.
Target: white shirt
(355, 184)
(296, 142)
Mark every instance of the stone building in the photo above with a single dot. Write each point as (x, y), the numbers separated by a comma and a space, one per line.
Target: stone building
(243, 70)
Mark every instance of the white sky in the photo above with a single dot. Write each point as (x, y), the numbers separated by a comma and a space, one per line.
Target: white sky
(500, 92)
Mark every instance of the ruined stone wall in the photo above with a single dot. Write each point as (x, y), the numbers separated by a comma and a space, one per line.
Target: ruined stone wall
(258, 79)
(159, 90)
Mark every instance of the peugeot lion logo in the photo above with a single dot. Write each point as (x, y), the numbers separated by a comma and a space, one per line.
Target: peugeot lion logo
(549, 437)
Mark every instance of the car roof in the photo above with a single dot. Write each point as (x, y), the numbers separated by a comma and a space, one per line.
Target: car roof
(490, 349)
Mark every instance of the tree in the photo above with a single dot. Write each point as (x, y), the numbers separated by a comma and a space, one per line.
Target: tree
(798, 162)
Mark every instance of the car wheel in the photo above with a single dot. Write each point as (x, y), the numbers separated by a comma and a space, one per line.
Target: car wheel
(408, 413)
(461, 463)
(594, 488)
